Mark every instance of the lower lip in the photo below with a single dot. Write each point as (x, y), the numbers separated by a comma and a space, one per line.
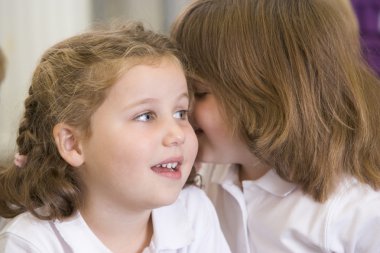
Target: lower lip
(165, 172)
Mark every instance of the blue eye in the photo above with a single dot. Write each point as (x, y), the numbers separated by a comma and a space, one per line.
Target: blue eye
(147, 116)
(182, 114)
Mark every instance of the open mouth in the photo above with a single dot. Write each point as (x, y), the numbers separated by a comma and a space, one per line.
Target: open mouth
(170, 170)
(168, 166)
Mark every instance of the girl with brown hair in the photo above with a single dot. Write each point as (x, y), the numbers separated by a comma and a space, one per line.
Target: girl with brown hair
(287, 106)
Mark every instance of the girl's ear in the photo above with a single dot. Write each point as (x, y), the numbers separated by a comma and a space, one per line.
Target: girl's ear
(68, 144)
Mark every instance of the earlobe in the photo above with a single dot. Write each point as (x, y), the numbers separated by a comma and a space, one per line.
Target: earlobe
(67, 142)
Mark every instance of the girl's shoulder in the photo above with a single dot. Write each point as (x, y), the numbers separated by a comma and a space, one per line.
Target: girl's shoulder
(354, 216)
(356, 195)
(28, 234)
(25, 224)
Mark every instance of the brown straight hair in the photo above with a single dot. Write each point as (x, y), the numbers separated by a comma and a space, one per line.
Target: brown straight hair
(291, 82)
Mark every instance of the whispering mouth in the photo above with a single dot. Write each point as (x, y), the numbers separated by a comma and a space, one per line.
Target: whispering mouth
(198, 131)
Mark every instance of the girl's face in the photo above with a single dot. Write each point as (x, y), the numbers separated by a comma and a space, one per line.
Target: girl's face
(217, 144)
(142, 146)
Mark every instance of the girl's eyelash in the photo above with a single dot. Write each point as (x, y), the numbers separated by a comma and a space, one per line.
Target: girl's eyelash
(199, 95)
(144, 116)
(184, 114)
(147, 116)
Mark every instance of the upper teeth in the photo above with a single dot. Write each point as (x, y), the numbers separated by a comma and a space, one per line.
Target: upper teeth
(168, 165)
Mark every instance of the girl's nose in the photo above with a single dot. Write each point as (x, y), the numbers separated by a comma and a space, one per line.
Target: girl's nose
(174, 136)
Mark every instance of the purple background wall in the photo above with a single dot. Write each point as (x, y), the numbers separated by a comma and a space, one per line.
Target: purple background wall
(368, 14)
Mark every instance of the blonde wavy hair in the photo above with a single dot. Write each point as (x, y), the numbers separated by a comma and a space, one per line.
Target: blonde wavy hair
(69, 84)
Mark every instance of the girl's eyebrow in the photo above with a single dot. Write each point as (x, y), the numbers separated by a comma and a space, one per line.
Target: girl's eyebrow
(153, 100)
(184, 94)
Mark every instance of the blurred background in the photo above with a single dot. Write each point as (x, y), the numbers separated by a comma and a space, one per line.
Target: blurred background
(29, 27)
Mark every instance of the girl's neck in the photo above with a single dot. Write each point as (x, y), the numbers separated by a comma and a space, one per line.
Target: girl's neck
(251, 167)
(253, 170)
(125, 233)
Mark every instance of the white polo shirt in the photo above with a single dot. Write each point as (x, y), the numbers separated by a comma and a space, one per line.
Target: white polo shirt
(272, 215)
(2, 222)
(189, 225)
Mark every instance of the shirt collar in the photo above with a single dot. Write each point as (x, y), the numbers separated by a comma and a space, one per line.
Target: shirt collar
(270, 182)
(171, 226)
(171, 230)
(76, 236)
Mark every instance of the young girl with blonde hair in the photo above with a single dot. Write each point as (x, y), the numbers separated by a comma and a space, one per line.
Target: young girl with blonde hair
(285, 101)
(105, 148)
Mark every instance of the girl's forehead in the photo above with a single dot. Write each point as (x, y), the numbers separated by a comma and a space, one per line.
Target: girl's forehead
(154, 60)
